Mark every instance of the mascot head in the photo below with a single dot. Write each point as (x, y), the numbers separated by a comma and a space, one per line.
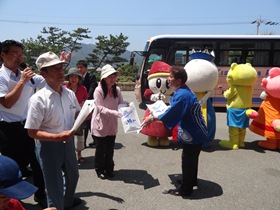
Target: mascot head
(158, 76)
(241, 75)
(271, 84)
(202, 72)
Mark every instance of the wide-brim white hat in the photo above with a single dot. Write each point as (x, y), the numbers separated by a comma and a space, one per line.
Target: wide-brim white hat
(107, 70)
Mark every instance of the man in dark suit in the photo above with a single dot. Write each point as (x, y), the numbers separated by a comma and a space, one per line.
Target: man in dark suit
(89, 81)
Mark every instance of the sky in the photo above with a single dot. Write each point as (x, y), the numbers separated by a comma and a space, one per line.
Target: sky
(137, 19)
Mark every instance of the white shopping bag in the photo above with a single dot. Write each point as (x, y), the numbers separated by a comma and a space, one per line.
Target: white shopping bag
(130, 119)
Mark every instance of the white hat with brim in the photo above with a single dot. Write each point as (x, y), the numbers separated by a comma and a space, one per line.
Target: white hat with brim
(48, 59)
(107, 70)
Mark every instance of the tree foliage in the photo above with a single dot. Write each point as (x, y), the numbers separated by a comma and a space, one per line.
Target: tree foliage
(128, 73)
(55, 40)
(108, 51)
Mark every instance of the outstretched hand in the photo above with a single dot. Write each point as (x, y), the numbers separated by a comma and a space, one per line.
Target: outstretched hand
(66, 57)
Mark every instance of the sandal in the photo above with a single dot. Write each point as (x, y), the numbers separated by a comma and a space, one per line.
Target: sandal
(81, 160)
(175, 192)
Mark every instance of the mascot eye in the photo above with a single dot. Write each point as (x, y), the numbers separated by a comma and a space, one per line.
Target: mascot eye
(158, 83)
(167, 84)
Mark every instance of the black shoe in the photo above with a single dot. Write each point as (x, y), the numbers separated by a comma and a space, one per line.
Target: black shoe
(76, 202)
(41, 201)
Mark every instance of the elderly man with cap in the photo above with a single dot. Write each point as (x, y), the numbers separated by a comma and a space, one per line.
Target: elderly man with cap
(50, 117)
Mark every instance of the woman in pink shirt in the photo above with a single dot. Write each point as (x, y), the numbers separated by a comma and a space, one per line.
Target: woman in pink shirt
(104, 121)
(75, 79)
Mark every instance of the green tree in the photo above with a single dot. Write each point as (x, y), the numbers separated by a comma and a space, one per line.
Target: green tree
(55, 40)
(108, 51)
(128, 73)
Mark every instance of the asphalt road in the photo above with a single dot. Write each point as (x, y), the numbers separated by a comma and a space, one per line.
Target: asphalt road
(247, 178)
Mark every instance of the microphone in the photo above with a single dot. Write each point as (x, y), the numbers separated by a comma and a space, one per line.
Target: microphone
(22, 66)
(32, 81)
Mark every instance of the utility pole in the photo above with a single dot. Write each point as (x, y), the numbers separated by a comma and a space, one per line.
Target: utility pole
(260, 21)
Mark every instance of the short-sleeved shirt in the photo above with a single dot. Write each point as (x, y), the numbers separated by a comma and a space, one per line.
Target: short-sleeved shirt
(185, 111)
(52, 112)
(5, 76)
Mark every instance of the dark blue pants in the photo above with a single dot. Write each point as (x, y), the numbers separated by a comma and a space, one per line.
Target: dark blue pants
(190, 156)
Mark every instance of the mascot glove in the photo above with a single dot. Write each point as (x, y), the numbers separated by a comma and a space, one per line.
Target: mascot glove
(157, 96)
(276, 125)
(263, 95)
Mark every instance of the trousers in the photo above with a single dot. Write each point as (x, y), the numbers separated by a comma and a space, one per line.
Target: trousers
(104, 154)
(60, 169)
(16, 144)
(190, 157)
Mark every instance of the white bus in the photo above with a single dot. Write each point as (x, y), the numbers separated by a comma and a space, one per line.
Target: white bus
(262, 51)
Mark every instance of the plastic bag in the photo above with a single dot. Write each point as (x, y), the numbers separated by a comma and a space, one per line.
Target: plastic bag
(130, 119)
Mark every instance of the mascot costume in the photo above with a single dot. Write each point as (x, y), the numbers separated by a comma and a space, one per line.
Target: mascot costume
(202, 79)
(268, 122)
(241, 79)
(157, 132)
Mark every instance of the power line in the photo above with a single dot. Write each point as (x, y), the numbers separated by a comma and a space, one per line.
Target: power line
(124, 24)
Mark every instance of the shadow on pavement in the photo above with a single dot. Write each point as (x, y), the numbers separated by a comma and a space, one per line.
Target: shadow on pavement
(88, 164)
(138, 177)
(206, 189)
(99, 194)
(248, 146)
(173, 145)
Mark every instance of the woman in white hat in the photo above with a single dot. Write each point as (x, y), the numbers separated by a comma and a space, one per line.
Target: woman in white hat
(104, 122)
(75, 79)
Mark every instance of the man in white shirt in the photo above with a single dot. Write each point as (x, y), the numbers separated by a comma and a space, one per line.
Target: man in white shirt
(14, 140)
(50, 117)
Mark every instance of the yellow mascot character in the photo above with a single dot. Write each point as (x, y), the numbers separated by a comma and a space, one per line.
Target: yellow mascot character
(241, 79)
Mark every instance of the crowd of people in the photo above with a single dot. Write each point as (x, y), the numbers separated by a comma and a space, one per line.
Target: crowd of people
(36, 127)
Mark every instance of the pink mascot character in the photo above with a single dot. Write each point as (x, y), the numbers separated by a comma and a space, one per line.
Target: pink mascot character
(267, 124)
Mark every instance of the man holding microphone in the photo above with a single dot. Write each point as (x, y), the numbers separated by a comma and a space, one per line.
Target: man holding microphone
(15, 90)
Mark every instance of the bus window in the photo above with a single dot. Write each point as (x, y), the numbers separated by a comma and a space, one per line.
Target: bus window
(276, 58)
(261, 58)
(180, 57)
(262, 51)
